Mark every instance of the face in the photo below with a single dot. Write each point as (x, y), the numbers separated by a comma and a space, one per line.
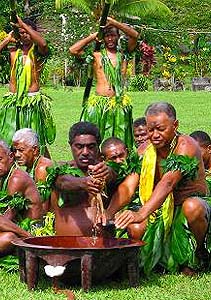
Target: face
(206, 155)
(6, 161)
(111, 39)
(116, 153)
(25, 37)
(25, 154)
(161, 129)
(140, 134)
(85, 150)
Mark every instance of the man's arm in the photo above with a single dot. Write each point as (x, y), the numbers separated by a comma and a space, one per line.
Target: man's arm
(8, 226)
(123, 194)
(21, 182)
(77, 48)
(7, 40)
(129, 31)
(72, 183)
(35, 36)
(165, 186)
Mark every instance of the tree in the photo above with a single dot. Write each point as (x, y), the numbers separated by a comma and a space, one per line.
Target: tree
(119, 7)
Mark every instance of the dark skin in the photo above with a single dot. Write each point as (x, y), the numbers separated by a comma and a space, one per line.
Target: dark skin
(76, 216)
(116, 152)
(103, 87)
(140, 134)
(162, 130)
(206, 155)
(9, 231)
(28, 37)
(26, 155)
(19, 182)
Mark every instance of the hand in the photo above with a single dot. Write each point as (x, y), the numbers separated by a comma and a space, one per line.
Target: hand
(104, 218)
(123, 219)
(11, 38)
(25, 234)
(94, 35)
(92, 186)
(110, 21)
(101, 170)
(19, 24)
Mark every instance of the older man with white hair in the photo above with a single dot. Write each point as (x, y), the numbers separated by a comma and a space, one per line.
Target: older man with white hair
(26, 150)
(15, 187)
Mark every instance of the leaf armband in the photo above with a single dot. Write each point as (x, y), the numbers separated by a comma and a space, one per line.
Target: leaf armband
(132, 164)
(188, 166)
(16, 201)
(57, 170)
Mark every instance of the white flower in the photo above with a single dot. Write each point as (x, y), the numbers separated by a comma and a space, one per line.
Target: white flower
(52, 271)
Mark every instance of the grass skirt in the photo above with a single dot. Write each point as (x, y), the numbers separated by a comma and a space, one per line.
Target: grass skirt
(113, 118)
(30, 111)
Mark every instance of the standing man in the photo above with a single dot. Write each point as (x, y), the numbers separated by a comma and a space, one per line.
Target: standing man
(17, 191)
(174, 217)
(25, 143)
(82, 181)
(110, 109)
(25, 106)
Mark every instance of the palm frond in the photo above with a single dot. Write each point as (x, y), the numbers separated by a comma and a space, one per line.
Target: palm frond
(119, 7)
(141, 8)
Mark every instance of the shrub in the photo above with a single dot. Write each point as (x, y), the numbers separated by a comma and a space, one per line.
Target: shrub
(138, 83)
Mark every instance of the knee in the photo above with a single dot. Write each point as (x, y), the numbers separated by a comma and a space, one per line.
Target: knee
(5, 241)
(136, 230)
(193, 209)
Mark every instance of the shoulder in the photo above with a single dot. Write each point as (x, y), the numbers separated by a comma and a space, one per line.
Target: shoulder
(44, 162)
(19, 178)
(187, 146)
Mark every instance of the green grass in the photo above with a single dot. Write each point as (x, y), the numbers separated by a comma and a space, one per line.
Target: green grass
(193, 110)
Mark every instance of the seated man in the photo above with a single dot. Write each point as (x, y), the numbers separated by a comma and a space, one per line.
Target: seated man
(204, 142)
(19, 195)
(114, 149)
(172, 186)
(26, 150)
(76, 199)
(140, 131)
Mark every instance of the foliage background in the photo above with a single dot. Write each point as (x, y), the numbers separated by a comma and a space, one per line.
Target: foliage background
(187, 14)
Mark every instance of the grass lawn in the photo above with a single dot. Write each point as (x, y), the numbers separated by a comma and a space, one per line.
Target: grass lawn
(193, 111)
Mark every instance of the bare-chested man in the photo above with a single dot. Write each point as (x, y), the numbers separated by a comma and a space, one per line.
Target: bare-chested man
(110, 66)
(172, 186)
(26, 150)
(25, 106)
(77, 215)
(15, 181)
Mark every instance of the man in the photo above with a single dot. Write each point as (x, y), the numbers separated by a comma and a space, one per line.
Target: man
(15, 183)
(110, 109)
(114, 149)
(26, 150)
(204, 142)
(80, 189)
(25, 106)
(172, 186)
(140, 131)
